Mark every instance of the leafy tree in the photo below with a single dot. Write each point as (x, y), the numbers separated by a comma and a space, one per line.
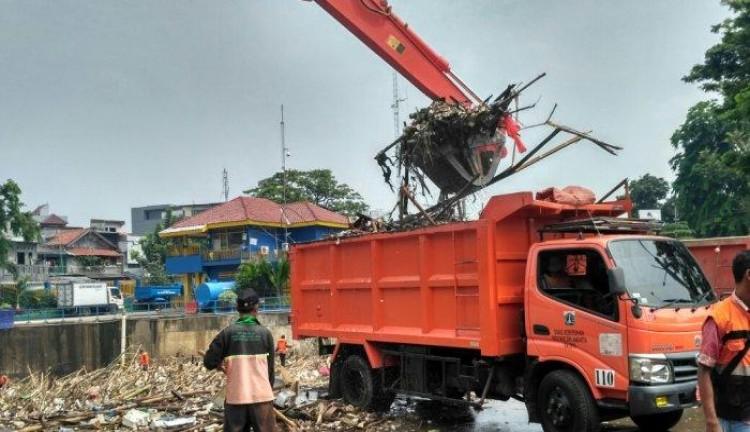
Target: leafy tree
(712, 184)
(278, 275)
(13, 221)
(89, 261)
(254, 274)
(154, 251)
(679, 230)
(668, 210)
(229, 296)
(317, 186)
(648, 192)
(266, 278)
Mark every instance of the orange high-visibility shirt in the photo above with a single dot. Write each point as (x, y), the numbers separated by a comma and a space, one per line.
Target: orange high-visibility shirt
(281, 346)
(144, 359)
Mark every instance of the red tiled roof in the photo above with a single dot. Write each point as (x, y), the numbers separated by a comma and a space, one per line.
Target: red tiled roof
(93, 252)
(66, 237)
(262, 211)
(53, 219)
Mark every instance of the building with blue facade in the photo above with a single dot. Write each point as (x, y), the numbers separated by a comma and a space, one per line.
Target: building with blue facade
(211, 245)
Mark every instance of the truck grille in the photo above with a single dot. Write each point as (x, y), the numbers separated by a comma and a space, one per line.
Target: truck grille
(684, 366)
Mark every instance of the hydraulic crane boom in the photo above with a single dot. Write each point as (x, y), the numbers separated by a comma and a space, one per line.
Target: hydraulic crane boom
(373, 22)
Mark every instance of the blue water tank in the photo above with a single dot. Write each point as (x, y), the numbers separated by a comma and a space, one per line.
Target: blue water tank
(207, 293)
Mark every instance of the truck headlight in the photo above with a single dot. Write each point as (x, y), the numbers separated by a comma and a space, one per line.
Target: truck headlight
(650, 369)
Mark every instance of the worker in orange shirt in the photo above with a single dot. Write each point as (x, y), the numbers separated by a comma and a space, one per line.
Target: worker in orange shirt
(144, 360)
(3, 381)
(281, 349)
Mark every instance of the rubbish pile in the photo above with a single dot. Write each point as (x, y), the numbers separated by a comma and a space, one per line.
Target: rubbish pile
(174, 394)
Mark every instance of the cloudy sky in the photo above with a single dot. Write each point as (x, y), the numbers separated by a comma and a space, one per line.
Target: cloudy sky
(106, 105)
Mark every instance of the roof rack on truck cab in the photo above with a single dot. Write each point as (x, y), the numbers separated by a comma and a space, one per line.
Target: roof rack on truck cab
(604, 225)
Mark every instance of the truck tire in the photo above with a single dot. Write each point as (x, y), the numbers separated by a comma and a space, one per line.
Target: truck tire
(565, 404)
(657, 422)
(361, 387)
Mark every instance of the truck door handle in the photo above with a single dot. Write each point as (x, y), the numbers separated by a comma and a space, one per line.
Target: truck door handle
(541, 330)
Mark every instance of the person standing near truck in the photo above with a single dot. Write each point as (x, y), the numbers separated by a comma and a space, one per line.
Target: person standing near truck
(244, 351)
(144, 360)
(724, 359)
(281, 348)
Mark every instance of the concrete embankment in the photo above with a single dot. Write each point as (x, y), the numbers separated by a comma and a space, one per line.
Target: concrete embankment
(64, 347)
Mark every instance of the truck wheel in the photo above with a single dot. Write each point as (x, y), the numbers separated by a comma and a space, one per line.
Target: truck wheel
(565, 404)
(361, 387)
(658, 422)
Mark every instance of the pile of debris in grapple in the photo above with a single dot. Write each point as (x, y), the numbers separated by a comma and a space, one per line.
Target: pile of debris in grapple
(459, 149)
(444, 131)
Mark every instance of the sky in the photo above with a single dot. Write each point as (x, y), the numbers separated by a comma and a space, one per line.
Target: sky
(113, 104)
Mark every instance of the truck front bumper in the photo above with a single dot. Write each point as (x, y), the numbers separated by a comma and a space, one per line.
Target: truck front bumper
(645, 400)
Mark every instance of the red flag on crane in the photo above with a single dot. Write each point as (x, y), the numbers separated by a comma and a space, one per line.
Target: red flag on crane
(512, 129)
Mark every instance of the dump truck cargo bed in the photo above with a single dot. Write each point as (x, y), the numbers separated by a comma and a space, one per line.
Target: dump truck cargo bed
(454, 285)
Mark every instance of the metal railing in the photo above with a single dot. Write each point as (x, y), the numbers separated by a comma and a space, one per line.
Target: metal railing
(34, 272)
(185, 250)
(222, 254)
(171, 308)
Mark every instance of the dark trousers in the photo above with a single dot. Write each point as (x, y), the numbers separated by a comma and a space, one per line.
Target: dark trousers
(282, 358)
(257, 417)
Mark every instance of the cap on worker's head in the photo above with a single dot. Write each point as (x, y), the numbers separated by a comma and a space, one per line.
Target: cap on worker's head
(247, 299)
(283, 336)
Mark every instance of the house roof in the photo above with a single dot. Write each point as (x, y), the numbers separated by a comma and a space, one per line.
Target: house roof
(99, 252)
(244, 211)
(68, 238)
(64, 238)
(53, 219)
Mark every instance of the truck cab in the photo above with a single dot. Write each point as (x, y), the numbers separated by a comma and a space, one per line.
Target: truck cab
(623, 313)
(115, 297)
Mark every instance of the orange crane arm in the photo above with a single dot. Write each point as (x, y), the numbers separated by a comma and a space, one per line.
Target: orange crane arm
(373, 22)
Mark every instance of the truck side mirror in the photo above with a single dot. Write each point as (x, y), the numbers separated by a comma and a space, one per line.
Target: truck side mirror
(616, 278)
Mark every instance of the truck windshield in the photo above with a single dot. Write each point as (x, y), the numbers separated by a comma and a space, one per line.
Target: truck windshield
(661, 273)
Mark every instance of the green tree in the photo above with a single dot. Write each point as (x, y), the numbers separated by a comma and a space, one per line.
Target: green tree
(254, 274)
(13, 221)
(318, 186)
(668, 214)
(90, 261)
(648, 192)
(154, 252)
(266, 278)
(679, 230)
(712, 184)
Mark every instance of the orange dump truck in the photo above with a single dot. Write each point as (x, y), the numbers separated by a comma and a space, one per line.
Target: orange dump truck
(715, 256)
(582, 316)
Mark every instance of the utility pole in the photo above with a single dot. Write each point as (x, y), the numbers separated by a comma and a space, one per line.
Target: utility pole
(225, 184)
(395, 107)
(284, 154)
(403, 201)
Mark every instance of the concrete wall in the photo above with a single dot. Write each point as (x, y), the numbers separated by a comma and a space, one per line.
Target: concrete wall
(62, 348)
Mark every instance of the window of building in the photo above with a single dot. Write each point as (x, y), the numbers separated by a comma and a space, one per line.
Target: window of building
(20, 258)
(228, 240)
(577, 277)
